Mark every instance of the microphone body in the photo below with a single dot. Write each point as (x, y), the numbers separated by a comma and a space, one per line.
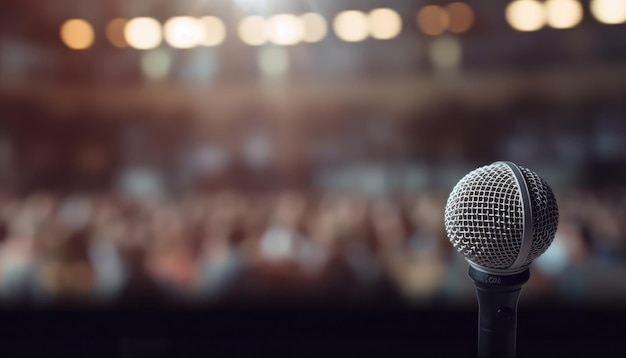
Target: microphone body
(497, 312)
(500, 217)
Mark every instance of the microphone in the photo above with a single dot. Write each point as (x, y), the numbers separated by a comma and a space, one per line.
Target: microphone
(500, 217)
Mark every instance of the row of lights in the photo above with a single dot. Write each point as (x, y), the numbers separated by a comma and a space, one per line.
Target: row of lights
(532, 15)
(283, 29)
(351, 26)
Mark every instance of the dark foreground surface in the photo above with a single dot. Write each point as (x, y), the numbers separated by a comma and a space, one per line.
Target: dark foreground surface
(297, 332)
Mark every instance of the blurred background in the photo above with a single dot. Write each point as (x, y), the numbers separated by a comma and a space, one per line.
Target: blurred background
(300, 152)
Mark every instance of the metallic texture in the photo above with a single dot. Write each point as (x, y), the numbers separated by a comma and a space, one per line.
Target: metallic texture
(486, 218)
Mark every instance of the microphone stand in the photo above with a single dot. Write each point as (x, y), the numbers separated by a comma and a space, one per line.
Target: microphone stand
(497, 311)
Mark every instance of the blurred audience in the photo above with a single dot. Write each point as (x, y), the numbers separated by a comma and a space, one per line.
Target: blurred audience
(295, 247)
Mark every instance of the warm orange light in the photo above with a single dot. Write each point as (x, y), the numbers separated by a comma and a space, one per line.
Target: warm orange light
(433, 20)
(461, 17)
(115, 32)
(77, 34)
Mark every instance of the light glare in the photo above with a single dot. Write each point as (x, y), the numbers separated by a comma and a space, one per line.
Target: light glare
(563, 14)
(213, 31)
(526, 15)
(385, 24)
(183, 32)
(610, 12)
(252, 30)
(351, 26)
(285, 29)
(143, 33)
(315, 27)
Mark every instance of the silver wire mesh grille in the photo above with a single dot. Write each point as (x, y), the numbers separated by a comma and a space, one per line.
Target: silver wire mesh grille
(545, 213)
(484, 216)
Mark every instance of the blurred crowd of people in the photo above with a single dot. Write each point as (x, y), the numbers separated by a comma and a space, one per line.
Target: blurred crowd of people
(292, 246)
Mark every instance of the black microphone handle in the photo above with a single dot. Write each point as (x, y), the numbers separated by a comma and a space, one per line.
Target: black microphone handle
(497, 312)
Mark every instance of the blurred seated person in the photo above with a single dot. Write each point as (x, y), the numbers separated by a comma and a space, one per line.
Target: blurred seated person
(170, 259)
(358, 249)
(557, 272)
(19, 256)
(220, 262)
(274, 258)
(414, 271)
(66, 274)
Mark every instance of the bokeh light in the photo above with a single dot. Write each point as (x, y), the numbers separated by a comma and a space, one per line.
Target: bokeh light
(445, 53)
(252, 30)
(183, 32)
(563, 14)
(285, 29)
(315, 27)
(385, 24)
(213, 31)
(156, 64)
(351, 26)
(115, 32)
(433, 20)
(610, 12)
(77, 34)
(461, 17)
(143, 33)
(273, 61)
(526, 15)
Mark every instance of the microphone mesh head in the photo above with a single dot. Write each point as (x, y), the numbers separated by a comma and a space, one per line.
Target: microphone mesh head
(484, 216)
